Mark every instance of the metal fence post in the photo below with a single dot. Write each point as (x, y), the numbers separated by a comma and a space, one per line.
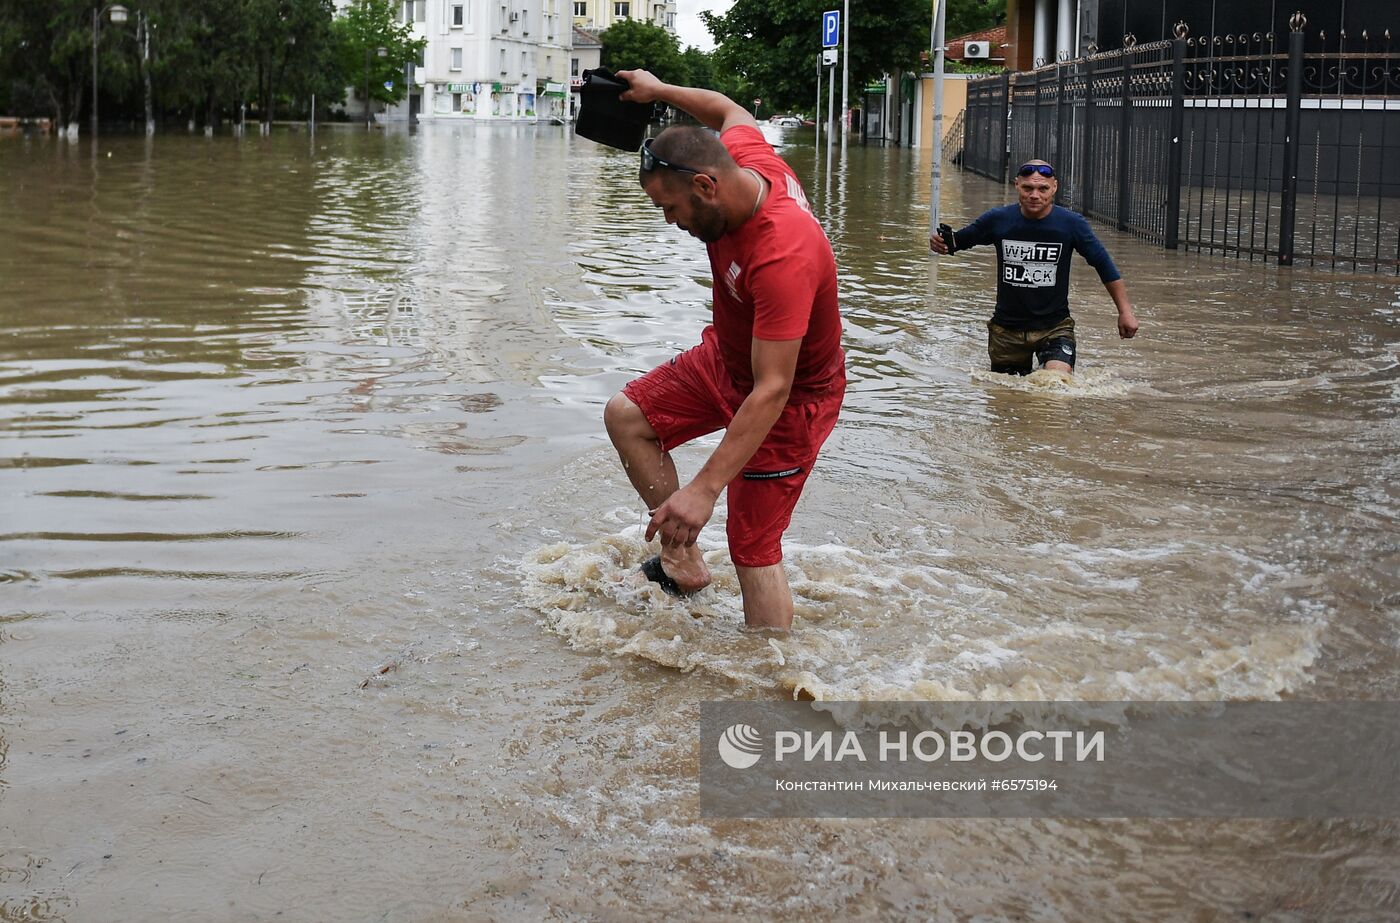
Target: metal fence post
(1086, 160)
(1293, 123)
(1178, 127)
(1125, 141)
(1062, 159)
(1005, 139)
(1037, 145)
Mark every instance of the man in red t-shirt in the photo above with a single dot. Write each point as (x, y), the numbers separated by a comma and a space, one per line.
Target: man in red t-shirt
(769, 371)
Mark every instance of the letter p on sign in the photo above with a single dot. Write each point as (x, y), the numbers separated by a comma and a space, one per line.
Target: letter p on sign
(831, 28)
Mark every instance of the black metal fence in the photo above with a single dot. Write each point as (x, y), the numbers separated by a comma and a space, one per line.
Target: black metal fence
(1252, 145)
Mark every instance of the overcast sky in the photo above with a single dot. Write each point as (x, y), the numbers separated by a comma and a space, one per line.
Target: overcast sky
(692, 31)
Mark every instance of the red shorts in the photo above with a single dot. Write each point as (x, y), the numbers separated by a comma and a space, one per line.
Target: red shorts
(693, 395)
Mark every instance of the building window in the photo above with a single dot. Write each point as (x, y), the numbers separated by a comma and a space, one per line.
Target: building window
(503, 61)
(622, 9)
(580, 7)
(420, 11)
(458, 16)
(524, 64)
(573, 67)
(456, 59)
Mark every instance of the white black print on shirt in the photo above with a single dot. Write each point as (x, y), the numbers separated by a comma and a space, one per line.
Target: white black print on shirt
(1030, 264)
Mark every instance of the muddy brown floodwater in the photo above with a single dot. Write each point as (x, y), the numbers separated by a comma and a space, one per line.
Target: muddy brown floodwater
(315, 593)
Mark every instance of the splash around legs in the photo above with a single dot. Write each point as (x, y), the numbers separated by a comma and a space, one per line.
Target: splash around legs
(767, 597)
(653, 475)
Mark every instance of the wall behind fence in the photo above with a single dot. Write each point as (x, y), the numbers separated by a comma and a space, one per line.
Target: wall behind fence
(1264, 146)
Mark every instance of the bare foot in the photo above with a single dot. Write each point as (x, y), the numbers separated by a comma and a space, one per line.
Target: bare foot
(686, 566)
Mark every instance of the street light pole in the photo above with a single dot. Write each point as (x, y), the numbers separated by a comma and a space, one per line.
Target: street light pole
(383, 53)
(143, 25)
(939, 41)
(95, 17)
(118, 17)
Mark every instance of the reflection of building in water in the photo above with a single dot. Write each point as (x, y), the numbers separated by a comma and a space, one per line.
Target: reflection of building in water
(496, 206)
(487, 59)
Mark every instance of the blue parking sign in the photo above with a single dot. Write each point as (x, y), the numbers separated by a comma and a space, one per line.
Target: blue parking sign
(831, 28)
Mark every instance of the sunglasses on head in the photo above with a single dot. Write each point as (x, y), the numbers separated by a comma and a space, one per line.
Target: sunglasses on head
(1043, 169)
(650, 162)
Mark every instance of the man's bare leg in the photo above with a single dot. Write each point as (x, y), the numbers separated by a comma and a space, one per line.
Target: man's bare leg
(767, 596)
(653, 474)
(1055, 365)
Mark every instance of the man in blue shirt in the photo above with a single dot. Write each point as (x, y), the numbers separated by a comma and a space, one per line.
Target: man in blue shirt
(1034, 241)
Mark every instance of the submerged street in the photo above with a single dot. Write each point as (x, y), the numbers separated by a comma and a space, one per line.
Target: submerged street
(317, 591)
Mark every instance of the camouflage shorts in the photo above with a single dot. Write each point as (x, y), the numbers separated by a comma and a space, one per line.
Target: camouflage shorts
(1011, 351)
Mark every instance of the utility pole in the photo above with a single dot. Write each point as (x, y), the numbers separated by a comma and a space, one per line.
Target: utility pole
(143, 23)
(94, 73)
(118, 15)
(831, 39)
(845, 71)
(830, 104)
(936, 148)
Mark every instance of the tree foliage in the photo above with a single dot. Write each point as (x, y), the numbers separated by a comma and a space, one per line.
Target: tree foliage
(208, 59)
(701, 70)
(630, 43)
(966, 16)
(771, 46)
(366, 27)
(45, 55)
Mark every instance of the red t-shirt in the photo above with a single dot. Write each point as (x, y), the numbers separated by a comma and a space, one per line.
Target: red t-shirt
(775, 278)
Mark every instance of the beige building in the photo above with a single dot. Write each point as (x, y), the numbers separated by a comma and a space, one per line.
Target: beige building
(587, 54)
(954, 103)
(597, 15)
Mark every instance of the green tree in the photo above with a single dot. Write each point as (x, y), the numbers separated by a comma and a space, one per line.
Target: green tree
(367, 26)
(630, 44)
(700, 70)
(772, 45)
(291, 43)
(201, 64)
(966, 16)
(46, 55)
(207, 58)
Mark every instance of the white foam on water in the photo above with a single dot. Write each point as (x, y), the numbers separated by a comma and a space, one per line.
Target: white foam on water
(901, 625)
(1083, 383)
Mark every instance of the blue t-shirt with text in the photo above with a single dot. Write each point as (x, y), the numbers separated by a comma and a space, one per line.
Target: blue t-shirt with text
(1033, 258)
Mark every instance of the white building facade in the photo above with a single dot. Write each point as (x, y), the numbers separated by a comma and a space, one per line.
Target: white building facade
(508, 60)
(502, 60)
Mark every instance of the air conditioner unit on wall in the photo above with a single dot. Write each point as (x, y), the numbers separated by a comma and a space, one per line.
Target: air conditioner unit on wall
(977, 50)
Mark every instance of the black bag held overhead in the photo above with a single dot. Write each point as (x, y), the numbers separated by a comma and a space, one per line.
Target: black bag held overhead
(604, 118)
